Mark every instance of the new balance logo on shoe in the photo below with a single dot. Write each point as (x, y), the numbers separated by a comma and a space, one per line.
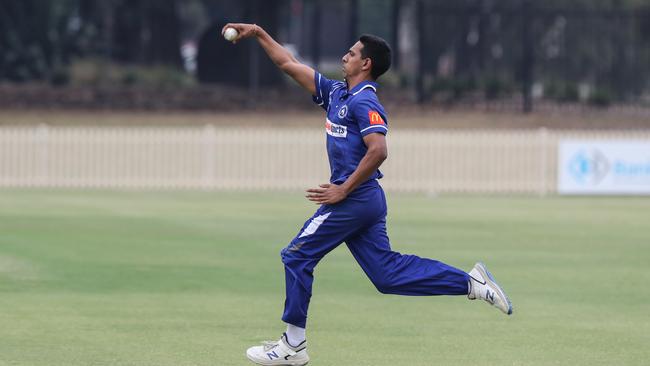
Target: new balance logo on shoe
(489, 296)
(272, 354)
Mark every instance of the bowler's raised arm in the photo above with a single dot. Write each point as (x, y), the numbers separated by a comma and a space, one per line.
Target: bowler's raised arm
(280, 56)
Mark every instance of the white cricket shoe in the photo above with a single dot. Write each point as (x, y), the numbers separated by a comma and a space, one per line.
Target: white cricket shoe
(279, 352)
(484, 287)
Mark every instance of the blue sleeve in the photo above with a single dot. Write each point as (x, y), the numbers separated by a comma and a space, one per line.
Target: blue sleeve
(323, 88)
(370, 116)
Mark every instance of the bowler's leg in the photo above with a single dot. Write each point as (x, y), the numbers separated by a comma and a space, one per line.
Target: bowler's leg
(323, 232)
(319, 235)
(395, 273)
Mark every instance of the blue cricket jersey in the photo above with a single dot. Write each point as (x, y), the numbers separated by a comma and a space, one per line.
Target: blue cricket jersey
(351, 114)
(360, 219)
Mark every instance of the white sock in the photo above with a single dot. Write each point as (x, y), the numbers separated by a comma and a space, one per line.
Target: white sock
(295, 335)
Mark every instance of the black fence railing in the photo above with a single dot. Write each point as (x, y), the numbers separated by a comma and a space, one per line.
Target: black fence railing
(521, 54)
(590, 57)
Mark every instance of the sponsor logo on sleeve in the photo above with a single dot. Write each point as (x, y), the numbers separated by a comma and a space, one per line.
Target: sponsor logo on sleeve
(335, 130)
(375, 118)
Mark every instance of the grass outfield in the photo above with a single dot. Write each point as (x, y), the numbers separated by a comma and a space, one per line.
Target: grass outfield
(180, 278)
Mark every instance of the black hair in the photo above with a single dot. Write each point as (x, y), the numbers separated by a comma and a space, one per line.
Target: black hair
(376, 49)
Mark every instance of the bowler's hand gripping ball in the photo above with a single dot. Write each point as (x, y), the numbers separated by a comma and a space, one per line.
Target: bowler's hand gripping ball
(230, 34)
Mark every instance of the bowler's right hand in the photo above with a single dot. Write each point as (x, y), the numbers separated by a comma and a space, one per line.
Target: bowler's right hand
(243, 30)
(281, 57)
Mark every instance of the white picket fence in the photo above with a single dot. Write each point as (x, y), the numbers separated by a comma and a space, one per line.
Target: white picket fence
(232, 158)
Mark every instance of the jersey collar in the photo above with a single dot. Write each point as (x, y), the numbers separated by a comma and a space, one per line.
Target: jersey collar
(366, 84)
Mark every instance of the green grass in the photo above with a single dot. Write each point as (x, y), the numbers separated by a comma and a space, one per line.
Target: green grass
(182, 278)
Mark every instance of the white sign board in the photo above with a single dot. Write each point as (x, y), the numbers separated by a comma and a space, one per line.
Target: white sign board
(604, 167)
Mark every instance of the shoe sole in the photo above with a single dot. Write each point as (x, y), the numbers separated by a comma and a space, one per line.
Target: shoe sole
(276, 364)
(488, 277)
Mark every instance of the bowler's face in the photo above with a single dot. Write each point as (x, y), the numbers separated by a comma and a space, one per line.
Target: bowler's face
(352, 61)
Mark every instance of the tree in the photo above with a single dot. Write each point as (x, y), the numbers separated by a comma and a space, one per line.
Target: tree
(36, 38)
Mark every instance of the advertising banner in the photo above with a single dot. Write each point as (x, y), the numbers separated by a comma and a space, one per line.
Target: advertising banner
(604, 167)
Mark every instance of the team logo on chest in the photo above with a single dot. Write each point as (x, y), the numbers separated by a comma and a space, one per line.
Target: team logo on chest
(343, 111)
(335, 130)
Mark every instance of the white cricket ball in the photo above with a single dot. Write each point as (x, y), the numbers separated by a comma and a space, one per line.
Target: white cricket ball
(230, 34)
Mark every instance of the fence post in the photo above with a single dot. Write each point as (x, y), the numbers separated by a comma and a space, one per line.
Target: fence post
(394, 24)
(353, 19)
(543, 161)
(209, 148)
(254, 63)
(316, 33)
(42, 142)
(527, 62)
(419, 77)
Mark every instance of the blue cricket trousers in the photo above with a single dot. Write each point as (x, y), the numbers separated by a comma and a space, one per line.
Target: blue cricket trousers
(360, 222)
